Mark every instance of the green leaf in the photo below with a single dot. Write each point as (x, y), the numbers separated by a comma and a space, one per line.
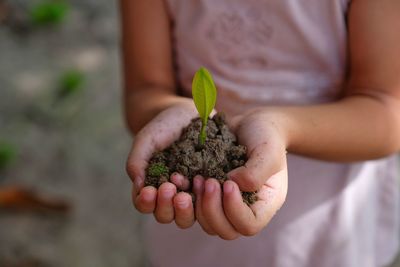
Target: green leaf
(204, 95)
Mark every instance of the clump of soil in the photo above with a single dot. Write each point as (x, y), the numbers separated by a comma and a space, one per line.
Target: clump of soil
(220, 154)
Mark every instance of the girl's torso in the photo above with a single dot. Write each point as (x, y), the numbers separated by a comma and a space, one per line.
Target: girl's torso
(264, 52)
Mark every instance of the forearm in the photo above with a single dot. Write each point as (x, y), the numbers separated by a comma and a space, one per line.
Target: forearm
(352, 129)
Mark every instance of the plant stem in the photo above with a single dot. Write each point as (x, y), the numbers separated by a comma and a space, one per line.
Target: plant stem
(203, 134)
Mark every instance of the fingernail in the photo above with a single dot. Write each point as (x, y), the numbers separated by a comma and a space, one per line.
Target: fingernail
(228, 188)
(183, 204)
(147, 198)
(176, 179)
(210, 187)
(168, 194)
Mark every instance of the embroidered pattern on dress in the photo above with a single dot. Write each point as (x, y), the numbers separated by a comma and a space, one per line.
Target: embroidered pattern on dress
(239, 34)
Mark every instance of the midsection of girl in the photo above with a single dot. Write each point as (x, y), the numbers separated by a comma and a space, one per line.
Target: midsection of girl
(316, 79)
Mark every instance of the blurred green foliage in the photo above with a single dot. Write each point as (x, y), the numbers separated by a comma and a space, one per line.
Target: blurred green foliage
(49, 12)
(71, 82)
(8, 153)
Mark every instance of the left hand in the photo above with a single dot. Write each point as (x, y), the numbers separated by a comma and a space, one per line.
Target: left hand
(224, 213)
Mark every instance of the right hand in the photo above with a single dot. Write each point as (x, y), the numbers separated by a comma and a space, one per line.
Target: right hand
(158, 134)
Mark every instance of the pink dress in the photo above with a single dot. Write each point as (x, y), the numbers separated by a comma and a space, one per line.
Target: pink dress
(283, 52)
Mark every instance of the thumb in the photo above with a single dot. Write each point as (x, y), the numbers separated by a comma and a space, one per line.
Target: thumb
(265, 160)
(164, 129)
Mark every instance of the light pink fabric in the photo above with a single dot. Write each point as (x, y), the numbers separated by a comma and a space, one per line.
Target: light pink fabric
(283, 52)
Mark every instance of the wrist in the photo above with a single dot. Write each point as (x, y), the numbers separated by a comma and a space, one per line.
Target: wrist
(281, 122)
(143, 105)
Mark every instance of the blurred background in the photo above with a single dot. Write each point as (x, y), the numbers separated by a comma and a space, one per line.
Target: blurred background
(64, 195)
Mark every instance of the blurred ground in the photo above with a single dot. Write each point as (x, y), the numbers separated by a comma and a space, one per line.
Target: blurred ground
(73, 148)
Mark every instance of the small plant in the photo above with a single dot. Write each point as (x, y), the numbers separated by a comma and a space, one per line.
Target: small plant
(190, 156)
(204, 95)
(49, 12)
(158, 169)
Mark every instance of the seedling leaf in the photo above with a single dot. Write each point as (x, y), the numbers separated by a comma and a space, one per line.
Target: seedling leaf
(204, 95)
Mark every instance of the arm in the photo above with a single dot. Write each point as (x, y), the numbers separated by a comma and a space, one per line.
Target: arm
(153, 111)
(148, 66)
(363, 125)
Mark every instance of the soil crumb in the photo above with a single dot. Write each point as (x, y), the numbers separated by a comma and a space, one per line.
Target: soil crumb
(219, 155)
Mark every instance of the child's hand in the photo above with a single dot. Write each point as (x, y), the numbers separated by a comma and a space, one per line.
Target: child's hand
(225, 214)
(165, 203)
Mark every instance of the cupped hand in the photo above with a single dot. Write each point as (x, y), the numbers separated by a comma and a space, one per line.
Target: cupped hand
(166, 204)
(222, 212)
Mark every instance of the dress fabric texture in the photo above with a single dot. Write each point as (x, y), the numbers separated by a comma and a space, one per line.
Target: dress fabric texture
(264, 52)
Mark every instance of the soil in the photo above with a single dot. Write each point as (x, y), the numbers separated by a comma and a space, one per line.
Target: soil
(219, 155)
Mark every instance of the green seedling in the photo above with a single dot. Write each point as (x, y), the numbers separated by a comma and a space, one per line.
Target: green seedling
(158, 169)
(7, 154)
(204, 95)
(49, 12)
(70, 83)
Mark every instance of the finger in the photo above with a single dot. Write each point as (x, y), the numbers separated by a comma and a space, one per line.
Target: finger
(164, 212)
(142, 150)
(251, 220)
(145, 202)
(180, 181)
(264, 161)
(214, 213)
(138, 184)
(155, 136)
(237, 212)
(184, 212)
(136, 171)
(165, 128)
(198, 186)
(144, 145)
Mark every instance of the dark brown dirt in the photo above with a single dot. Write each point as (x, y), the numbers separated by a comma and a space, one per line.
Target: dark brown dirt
(220, 154)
